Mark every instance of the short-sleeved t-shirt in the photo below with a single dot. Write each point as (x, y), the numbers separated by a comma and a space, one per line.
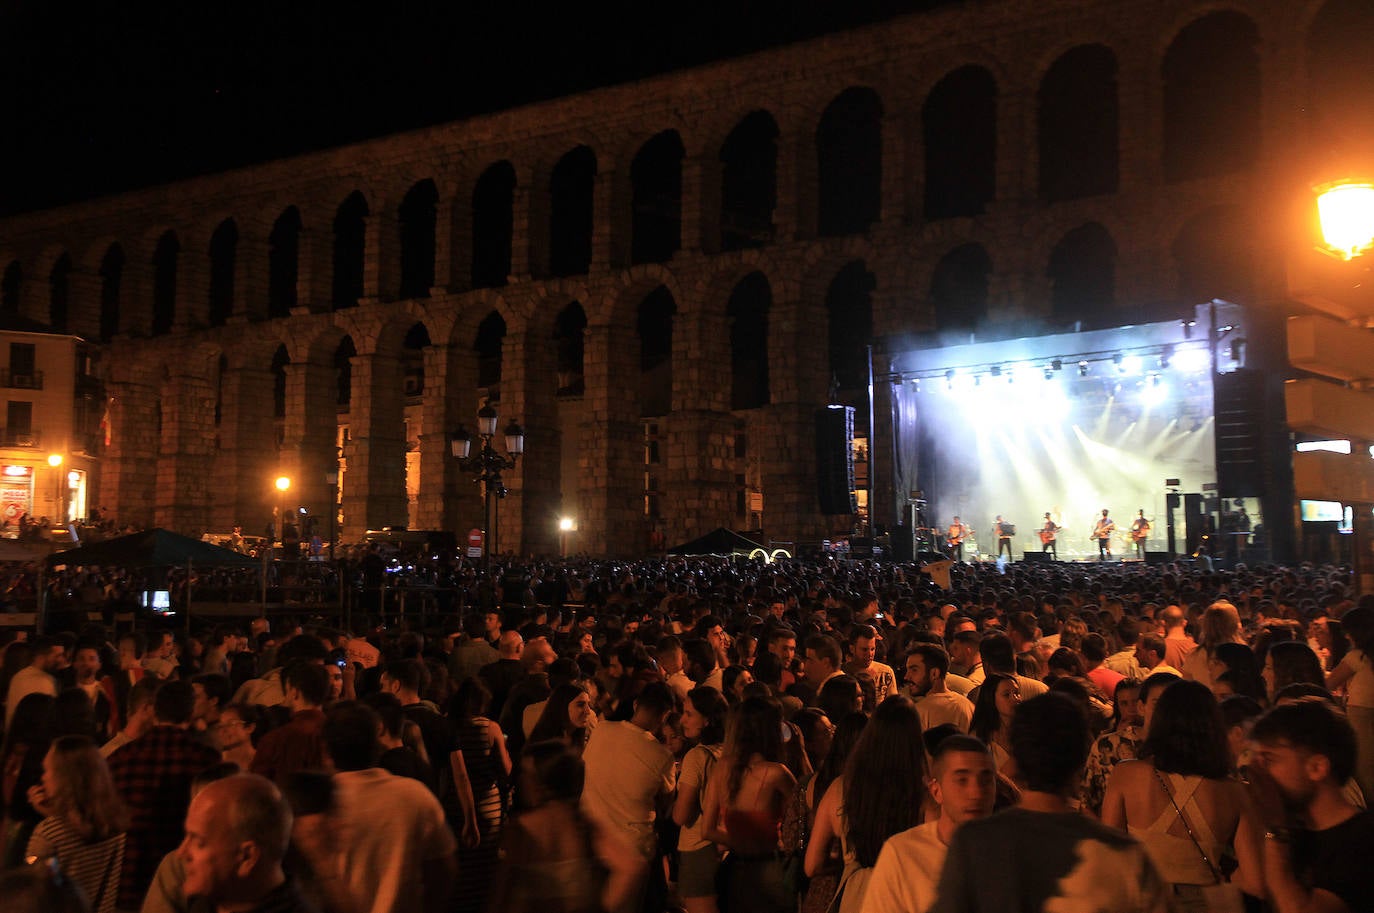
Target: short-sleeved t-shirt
(627, 770)
(696, 770)
(907, 872)
(1337, 860)
(1359, 690)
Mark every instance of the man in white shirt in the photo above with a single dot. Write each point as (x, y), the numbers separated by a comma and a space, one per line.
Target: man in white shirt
(926, 668)
(36, 677)
(963, 783)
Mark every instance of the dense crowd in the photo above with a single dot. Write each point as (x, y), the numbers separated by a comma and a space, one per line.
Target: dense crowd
(711, 734)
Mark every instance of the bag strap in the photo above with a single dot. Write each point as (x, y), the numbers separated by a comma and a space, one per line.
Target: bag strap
(1216, 872)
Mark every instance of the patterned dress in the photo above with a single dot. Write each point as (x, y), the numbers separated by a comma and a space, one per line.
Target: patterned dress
(475, 866)
(1108, 751)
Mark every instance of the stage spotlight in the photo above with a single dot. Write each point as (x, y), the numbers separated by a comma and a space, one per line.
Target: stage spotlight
(949, 379)
(1129, 365)
(1155, 391)
(1049, 373)
(1192, 360)
(1165, 356)
(1082, 369)
(1057, 364)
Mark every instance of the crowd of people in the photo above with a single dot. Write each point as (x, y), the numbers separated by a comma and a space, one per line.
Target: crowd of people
(707, 735)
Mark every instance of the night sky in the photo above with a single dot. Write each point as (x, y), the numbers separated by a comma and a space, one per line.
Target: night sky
(99, 97)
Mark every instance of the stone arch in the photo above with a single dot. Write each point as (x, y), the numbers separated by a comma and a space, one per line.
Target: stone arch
(849, 163)
(283, 263)
(111, 291)
(1082, 273)
(569, 334)
(572, 187)
(1339, 90)
(1211, 83)
(619, 305)
(749, 182)
(1077, 124)
(488, 345)
(223, 254)
(350, 251)
(849, 322)
(1214, 256)
(493, 224)
(165, 268)
(959, 288)
(416, 229)
(656, 199)
(655, 317)
(747, 311)
(60, 293)
(959, 139)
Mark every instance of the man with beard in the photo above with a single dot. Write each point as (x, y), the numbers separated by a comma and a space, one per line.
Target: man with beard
(926, 668)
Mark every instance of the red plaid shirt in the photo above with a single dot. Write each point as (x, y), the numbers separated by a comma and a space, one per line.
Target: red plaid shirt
(153, 773)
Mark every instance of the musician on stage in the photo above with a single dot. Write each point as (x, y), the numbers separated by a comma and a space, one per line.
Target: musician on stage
(1048, 533)
(954, 539)
(1102, 532)
(1004, 531)
(1140, 531)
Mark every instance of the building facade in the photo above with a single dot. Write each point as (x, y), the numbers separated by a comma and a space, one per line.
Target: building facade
(663, 281)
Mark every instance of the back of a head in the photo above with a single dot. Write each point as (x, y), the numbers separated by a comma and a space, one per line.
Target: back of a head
(1094, 648)
(410, 674)
(350, 735)
(305, 647)
(1294, 661)
(997, 653)
(1049, 740)
(174, 703)
(557, 771)
(1187, 734)
(256, 812)
(388, 707)
(309, 679)
(656, 698)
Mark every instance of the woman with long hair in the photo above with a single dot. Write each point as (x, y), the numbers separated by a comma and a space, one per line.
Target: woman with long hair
(733, 682)
(85, 819)
(1220, 625)
(488, 769)
(568, 716)
(1288, 662)
(801, 812)
(703, 722)
(881, 792)
(998, 698)
(745, 798)
(28, 733)
(1178, 799)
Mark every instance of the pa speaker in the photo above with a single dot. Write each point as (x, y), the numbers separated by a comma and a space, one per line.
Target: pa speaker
(835, 460)
(1036, 557)
(1154, 559)
(903, 546)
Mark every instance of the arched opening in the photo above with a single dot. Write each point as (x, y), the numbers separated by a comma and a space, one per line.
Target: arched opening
(413, 359)
(493, 221)
(1078, 125)
(849, 316)
(654, 326)
(749, 182)
(283, 263)
(1082, 273)
(748, 313)
(491, 336)
(571, 187)
(165, 283)
(111, 281)
(1211, 75)
(11, 287)
(223, 248)
(60, 293)
(656, 199)
(959, 289)
(343, 373)
(849, 163)
(1340, 86)
(280, 359)
(350, 242)
(959, 131)
(569, 333)
(417, 214)
(1214, 257)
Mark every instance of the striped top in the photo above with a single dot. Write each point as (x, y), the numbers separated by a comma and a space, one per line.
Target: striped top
(92, 865)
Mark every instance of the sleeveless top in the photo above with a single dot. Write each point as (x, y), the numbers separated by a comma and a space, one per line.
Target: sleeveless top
(1176, 857)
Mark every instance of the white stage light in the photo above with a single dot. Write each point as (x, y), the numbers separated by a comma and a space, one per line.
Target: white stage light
(1130, 365)
(1155, 391)
(1192, 360)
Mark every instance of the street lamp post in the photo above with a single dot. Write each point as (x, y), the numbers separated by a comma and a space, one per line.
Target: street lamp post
(565, 526)
(283, 484)
(487, 464)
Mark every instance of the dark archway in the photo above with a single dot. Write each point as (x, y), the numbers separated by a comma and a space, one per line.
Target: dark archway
(1211, 75)
(343, 373)
(569, 335)
(111, 287)
(280, 359)
(749, 182)
(283, 263)
(571, 189)
(849, 163)
(1078, 125)
(959, 289)
(60, 293)
(656, 199)
(959, 132)
(1340, 80)
(849, 315)
(654, 326)
(413, 359)
(491, 336)
(11, 288)
(165, 283)
(1082, 272)
(748, 312)
(350, 251)
(1214, 257)
(223, 252)
(493, 221)
(416, 216)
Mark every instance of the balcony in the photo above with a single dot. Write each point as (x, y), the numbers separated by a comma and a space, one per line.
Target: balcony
(33, 380)
(20, 437)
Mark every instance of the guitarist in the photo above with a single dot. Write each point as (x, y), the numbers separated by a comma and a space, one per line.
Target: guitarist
(954, 539)
(1102, 532)
(1048, 533)
(1140, 531)
(1005, 531)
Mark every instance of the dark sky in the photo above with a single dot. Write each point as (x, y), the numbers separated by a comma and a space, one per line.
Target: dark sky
(106, 95)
